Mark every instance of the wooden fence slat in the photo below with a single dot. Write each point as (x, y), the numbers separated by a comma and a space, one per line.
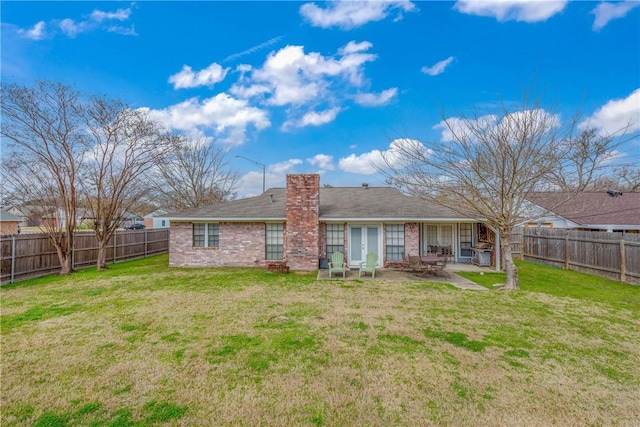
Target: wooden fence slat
(612, 255)
(33, 255)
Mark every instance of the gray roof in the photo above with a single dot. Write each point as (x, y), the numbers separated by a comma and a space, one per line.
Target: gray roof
(336, 203)
(9, 217)
(592, 208)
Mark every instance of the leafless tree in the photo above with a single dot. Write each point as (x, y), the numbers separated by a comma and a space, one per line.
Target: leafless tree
(124, 145)
(487, 165)
(622, 178)
(43, 151)
(195, 175)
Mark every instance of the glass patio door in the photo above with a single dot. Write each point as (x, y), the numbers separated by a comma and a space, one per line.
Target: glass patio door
(438, 235)
(362, 240)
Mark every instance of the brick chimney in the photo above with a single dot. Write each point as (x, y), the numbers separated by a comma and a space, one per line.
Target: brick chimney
(302, 230)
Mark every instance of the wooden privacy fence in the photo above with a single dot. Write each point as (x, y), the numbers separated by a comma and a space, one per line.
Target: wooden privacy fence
(612, 255)
(33, 255)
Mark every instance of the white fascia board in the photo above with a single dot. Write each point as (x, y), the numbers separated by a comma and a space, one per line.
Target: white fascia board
(612, 226)
(447, 220)
(201, 219)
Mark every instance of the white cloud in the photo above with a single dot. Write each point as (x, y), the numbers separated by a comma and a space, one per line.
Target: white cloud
(365, 164)
(460, 127)
(606, 12)
(123, 31)
(616, 115)
(354, 47)
(439, 67)
(98, 20)
(291, 76)
(323, 161)
(352, 14)
(119, 15)
(228, 118)
(70, 28)
(37, 32)
(512, 10)
(313, 118)
(209, 76)
(376, 99)
(283, 168)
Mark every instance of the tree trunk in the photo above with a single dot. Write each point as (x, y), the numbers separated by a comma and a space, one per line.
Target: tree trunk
(101, 263)
(64, 249)
(65, 262)
(510, 267)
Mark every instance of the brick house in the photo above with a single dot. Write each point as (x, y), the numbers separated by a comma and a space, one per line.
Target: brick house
(303, 224)
(591, 210)
(9, 223)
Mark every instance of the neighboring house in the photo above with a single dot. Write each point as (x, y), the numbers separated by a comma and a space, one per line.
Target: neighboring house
(304, 224)
(132, 218)
(156, 219)
(598, 211)
(9, 223)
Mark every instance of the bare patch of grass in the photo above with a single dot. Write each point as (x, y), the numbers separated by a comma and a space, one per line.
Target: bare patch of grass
(144, 344)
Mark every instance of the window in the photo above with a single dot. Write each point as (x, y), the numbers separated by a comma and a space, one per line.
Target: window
(465, 239)
(395, 242)
(212, 231)
(275, 241)
(164, 223)
(214, 235)
(335, 239)
(198, 235)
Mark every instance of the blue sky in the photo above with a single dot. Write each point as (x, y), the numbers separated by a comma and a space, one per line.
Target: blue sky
(326, 86)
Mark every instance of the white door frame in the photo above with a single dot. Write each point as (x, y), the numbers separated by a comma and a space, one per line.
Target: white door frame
(364, 244)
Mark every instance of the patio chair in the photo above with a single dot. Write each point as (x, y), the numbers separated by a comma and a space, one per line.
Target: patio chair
(440, 266)
(369, 266)
(337, 264)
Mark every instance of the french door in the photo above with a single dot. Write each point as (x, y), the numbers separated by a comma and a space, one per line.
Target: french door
(362, 240)
(438, 235)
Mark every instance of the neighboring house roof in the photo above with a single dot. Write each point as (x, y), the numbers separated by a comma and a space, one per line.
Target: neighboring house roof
(8, 217)
(156, 214)
(336, 203)
(592, 208)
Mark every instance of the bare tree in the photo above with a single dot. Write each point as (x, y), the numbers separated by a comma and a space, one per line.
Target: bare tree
(622, 178)
(487, 165)
(43, 151)
(195, 175)
(125, 144)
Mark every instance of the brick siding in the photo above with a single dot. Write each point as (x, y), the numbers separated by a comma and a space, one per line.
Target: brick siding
(302, 234)
(8, 228)
(412, 238)
(241, 245)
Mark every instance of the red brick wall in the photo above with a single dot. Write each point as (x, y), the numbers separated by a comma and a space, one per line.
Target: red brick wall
(322, 240)
(412, 239)
(241, 245)
(301, 236)
(8, 228)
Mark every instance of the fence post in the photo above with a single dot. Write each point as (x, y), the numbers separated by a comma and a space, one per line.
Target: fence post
(115, 248)
(73, 249)
(145, 242)
(13, 259)
(566, 252)
(623, 262)
(522, 244)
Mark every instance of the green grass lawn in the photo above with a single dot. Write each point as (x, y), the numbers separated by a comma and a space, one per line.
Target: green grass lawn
(144, 344)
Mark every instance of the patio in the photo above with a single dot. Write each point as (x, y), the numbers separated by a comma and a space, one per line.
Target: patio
(396, 274)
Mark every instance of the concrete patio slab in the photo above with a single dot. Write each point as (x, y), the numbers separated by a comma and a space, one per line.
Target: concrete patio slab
(401, 275)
